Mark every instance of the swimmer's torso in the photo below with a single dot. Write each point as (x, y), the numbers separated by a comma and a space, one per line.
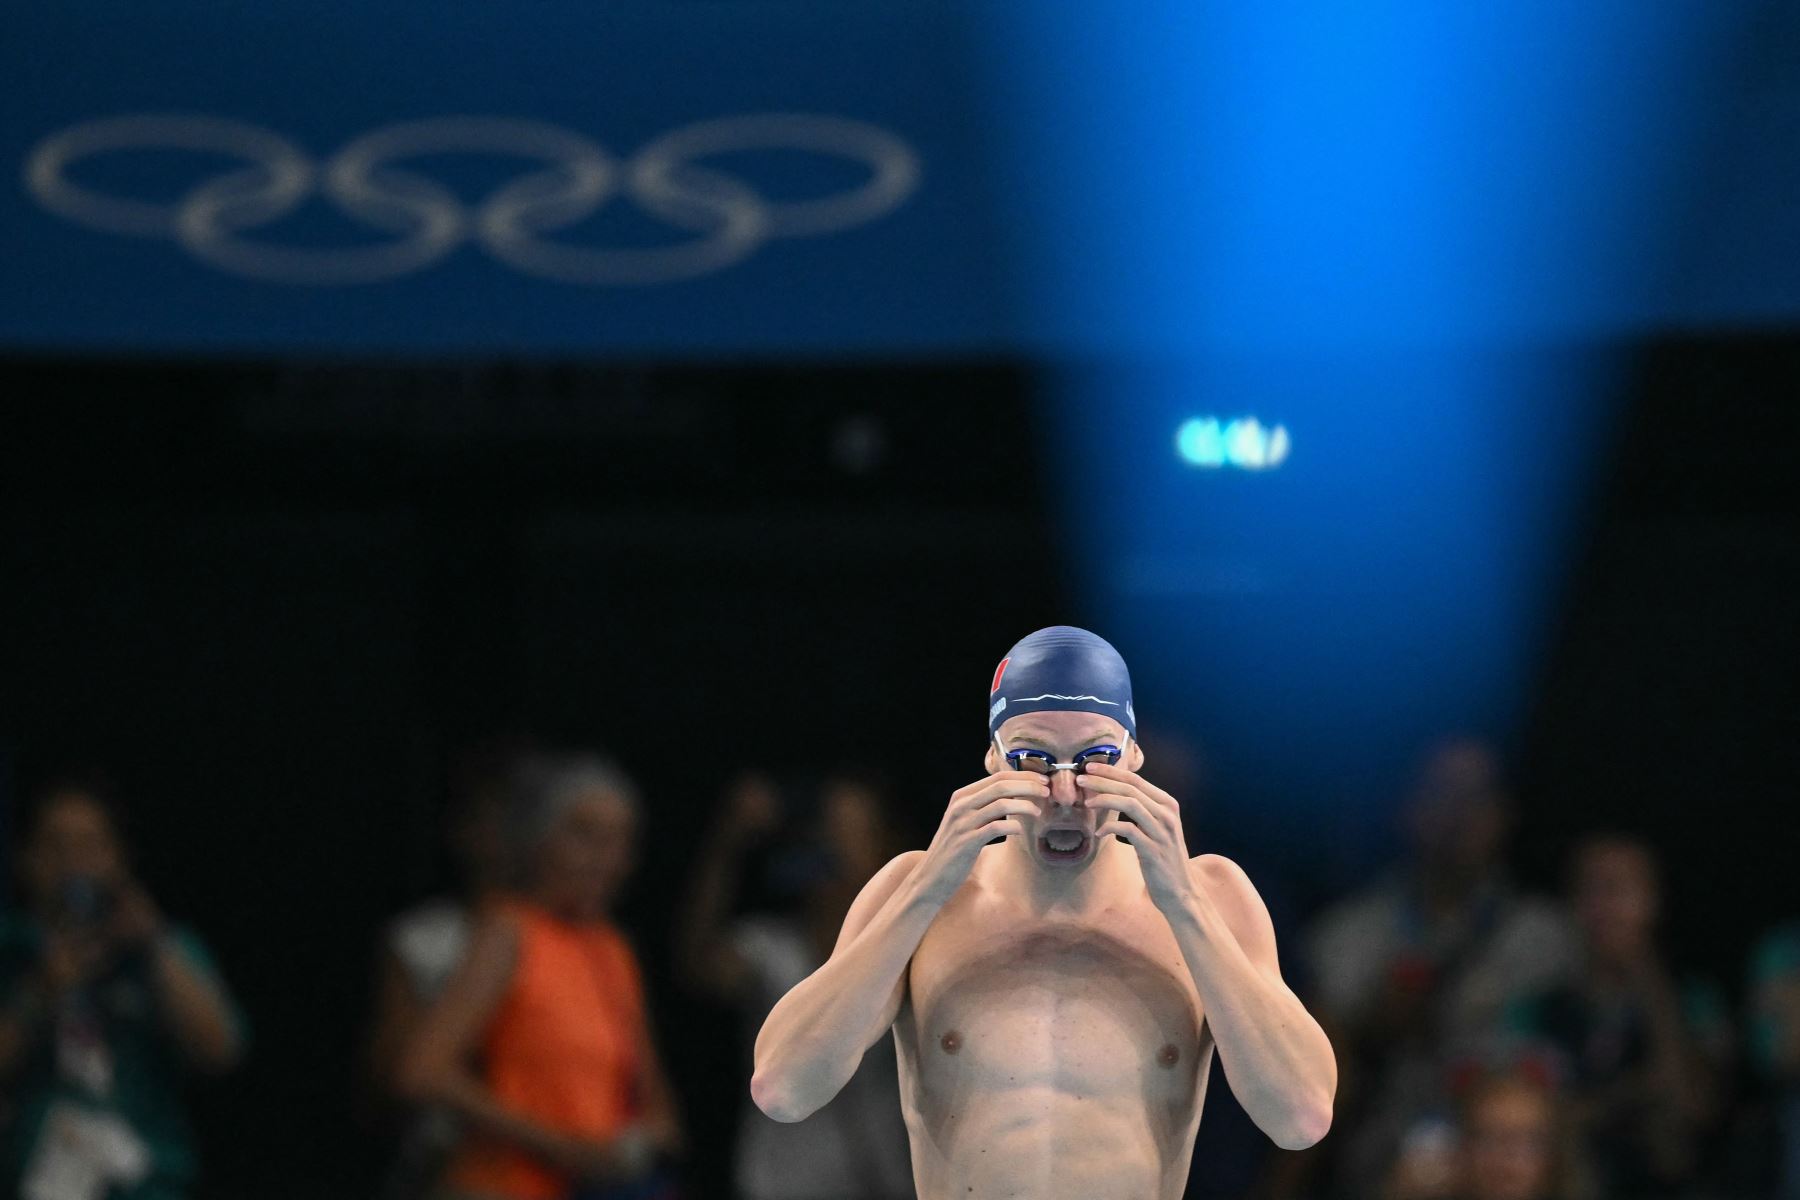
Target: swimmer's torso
(1050, 1058)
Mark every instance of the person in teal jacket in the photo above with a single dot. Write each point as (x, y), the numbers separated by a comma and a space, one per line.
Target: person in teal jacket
(1775, 1044)
(105, 1008)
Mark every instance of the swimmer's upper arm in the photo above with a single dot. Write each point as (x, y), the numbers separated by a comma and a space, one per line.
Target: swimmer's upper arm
(875, 894)
(1242, 906)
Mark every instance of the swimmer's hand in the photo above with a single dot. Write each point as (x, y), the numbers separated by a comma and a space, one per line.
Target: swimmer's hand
(976, 815)
(1154, 830)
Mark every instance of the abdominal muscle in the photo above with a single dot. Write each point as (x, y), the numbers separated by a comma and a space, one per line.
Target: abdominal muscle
(1050, 1062)
(1040, 1144)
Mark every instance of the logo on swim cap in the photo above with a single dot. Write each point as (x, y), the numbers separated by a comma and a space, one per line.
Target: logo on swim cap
(995, 709)
(1060, 696)
(999, 672)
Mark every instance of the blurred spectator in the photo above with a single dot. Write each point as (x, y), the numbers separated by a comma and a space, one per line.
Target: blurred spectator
(855, 1148)
(422, 946)
(541, 1041)
(1641, 1055)
(1511, 1141)
(105, 1005)
(1412, 976)
(1775, 1046)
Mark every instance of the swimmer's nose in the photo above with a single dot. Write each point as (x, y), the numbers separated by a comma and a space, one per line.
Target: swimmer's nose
(1063, 792)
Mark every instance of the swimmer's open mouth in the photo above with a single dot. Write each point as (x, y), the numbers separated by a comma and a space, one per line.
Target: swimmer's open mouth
(1064, 845)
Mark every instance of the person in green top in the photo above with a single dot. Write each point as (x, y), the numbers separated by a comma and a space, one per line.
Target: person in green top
(1775, 1046)
(105, 1006)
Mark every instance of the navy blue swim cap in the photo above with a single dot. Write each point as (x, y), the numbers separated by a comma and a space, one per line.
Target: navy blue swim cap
(1062, 669)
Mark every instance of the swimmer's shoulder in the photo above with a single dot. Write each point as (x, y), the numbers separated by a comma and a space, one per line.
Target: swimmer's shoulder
(877, 892)
(903, 863)
(896, 872)
(1216, 870)
(1229, 888)
(1222, 878)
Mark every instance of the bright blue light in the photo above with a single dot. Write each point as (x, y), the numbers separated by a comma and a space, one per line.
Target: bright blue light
(1200, 442)
(1244, 443)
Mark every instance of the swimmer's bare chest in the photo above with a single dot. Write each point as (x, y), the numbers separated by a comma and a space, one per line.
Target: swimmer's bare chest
(1050, 1057)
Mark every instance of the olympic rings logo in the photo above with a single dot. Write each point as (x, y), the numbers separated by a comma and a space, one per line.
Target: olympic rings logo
(425, 221)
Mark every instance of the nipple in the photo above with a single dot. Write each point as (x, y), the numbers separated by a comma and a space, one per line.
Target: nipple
(951, 1042)
(1169, 1055)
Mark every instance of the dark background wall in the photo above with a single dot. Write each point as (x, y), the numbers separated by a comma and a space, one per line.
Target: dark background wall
(275, 603)
(1671, 702)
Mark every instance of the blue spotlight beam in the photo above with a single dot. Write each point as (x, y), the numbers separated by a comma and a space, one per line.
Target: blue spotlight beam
(1380, 230)
(1312, 626)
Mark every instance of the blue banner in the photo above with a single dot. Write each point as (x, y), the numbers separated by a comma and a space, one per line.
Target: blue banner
(813, 177)
(643, 178)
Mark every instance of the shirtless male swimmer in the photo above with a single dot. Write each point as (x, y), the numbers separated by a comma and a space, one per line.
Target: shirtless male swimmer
(1056, 996)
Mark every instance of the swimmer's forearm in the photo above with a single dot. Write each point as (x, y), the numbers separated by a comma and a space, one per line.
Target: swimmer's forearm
(1279, 1061)
(815, 1037)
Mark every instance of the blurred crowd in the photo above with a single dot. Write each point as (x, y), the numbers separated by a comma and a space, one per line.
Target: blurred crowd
(1492, 1044)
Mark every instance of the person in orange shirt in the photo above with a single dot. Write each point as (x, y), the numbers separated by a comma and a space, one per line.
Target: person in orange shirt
(541, 1042)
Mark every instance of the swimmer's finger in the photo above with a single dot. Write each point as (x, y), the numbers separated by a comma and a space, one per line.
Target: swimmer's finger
(1138, 833)
(1023, 784)
(1095, 792)
(1102, 778)
(987, 781)
(1129, 805)
(1092, 783)
(1112, 798)
(1003, 806)
(1007, 828)
(1135, 836)
(999, 779)
(1006, 806)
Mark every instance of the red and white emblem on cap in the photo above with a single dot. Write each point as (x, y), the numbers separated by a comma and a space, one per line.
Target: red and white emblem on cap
(998, 672)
